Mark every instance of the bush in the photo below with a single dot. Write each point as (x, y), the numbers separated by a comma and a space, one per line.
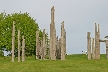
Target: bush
(1, 53)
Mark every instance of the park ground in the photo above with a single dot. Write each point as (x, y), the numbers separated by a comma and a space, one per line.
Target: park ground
(73, 63)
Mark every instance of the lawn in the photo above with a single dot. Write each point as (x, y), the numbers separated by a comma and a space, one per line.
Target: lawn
(73, 63)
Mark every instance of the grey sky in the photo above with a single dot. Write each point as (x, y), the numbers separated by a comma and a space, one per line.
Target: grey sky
(79, 17)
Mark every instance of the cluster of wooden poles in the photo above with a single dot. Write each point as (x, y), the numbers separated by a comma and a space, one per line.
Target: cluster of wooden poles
(57, 47)
(94, 53)
(19, 44)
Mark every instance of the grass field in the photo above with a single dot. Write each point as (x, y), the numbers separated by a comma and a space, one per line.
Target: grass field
(73, 63)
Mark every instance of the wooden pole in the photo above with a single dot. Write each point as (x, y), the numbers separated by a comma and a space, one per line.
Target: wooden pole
(89, 45)
(13, 41)
(93, 49)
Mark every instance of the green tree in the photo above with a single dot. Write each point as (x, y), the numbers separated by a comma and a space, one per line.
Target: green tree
(27, 26)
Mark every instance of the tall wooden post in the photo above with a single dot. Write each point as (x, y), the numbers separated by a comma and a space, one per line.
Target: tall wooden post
(89, 45)
(37, 44)
(106, 41)
(65, 41)
(50, 48)
(97, 43)
(43, 45)
(19, 45)
(52, 36)
(54, 44)
(62, 41)
(93, 49)
(41, 49)
(13, 41)
(59, 48)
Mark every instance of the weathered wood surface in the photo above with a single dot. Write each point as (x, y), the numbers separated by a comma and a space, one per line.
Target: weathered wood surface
(13, 41)
(62, 41)
(37, 45)
(97, 42)
(93, 49)
(89, 45)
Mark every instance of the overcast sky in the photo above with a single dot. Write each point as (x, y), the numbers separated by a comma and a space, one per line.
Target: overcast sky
(79, 17)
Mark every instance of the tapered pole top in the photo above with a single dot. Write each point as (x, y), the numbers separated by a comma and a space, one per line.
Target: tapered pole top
(14, 22)
(62, 23)
(52, 8)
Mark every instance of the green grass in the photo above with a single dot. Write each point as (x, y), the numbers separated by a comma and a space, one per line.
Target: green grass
(73, 63)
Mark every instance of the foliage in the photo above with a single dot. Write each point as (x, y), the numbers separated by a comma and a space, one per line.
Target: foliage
(23, 22)
(1, 53)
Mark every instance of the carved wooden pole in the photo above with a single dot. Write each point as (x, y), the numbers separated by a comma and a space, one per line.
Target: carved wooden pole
(93, 49)
(13, 41)
(54, 44)
(106, 41)
(89, 45)
(23, 48)
(41, 49)
(50, 42)
(95, 41)
(98, 42)
(59, 48)
(65, 41)
(19, 45)
(62, 42)
(37, 44)
(44, 48)
(52, 14)
(52, 36)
